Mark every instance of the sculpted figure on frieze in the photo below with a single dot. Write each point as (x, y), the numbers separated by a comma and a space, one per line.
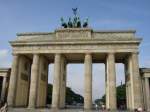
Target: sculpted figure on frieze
(74, 22)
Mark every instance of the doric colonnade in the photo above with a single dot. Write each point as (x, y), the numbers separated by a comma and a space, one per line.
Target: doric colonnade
(29, 75)
(145, 73)
(4, 74)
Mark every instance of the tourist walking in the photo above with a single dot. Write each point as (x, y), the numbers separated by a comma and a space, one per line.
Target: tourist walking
(4, 108)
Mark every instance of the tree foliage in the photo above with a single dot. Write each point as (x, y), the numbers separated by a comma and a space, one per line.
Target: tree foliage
(121, 96)
(71, 96)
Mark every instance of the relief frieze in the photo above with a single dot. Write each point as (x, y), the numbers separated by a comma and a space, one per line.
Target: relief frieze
(73, 47)
(74, 34)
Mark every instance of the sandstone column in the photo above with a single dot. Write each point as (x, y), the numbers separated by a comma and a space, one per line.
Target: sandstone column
(42, 82)
(110, 82)
(13, 81)
(63, 83)
(34, 81)
(56, 81)
(135, 88)
(127, 96)
(147, 92)
(88, 82)
(3, 92)
(127, 81)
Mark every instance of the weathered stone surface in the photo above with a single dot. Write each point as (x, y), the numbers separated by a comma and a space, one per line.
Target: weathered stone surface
(13, 81)
(73, 45)
(76, 41)
(5, 74)
(56, 81)
(145, 74)
(88, 81)
(111, 102)
(34, 82)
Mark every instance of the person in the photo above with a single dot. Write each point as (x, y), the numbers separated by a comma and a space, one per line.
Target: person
(103, 107)
(140, 109)
(4, 108)
(96, 106)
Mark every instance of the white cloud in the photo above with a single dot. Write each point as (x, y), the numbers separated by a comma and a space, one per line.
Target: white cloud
(4, 61)
(3, 53)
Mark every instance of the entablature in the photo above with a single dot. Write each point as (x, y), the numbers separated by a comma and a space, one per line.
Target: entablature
(76, 40)
(77, 33)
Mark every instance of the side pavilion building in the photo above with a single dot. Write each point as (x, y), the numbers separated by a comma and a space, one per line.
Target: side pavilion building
(33, 52)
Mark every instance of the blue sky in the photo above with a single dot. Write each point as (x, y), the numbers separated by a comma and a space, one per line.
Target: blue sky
(44, 16)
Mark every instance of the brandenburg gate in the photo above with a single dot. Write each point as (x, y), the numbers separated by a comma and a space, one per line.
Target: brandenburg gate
(33, 52)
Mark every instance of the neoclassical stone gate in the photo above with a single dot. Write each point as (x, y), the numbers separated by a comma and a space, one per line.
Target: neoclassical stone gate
(33, 52)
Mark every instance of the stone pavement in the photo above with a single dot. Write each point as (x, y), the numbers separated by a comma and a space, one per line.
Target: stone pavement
(50, 110)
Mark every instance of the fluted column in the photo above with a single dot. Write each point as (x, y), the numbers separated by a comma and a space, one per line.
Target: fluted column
(147, 92)
(111, 82)
(135, 81)
(56, 81)
(34, 81)
(63, 82)
(13, 81)
(127, 94)
(127, 82)
(3, 92)
(88, 82)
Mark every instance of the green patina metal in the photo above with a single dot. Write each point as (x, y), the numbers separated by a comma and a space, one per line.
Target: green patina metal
(74, 22)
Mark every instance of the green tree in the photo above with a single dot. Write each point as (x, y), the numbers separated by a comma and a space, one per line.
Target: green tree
(71, 96)
(121, 96)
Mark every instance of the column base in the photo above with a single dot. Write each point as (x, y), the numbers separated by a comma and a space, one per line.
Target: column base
(64, 107)
(54, 109)
(88, 110)
(112, 110)
(11, 106)
(31, 107)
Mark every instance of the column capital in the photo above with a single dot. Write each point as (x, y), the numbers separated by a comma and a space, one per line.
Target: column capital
(88, 53)
(36, 54)
(135, 53)
(58, 53)
(111, 53)
(5, 76)
(15, 54)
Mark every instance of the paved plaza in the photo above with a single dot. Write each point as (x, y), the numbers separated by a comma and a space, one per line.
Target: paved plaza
(50, 110)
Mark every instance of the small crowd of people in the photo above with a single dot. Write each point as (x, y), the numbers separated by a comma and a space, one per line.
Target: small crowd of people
(3, 106)
(103, 108)
(139, 110)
